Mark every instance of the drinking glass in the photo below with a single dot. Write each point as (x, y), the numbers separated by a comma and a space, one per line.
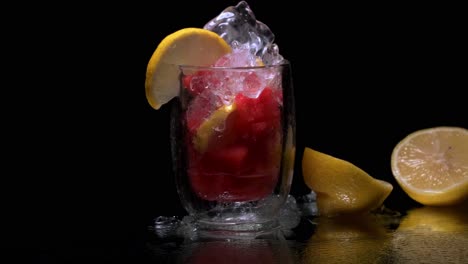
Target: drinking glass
(233, 146)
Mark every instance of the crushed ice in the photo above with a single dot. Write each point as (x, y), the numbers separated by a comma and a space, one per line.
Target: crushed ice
(252, 45)
(238, 26)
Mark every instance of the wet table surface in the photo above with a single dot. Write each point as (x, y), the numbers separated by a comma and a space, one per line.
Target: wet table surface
(419, 235)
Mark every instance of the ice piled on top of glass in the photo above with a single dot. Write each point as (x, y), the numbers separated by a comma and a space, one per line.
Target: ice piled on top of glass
(250, 41)
(238, 26)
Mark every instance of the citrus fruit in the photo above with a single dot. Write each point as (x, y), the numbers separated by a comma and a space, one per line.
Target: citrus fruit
(341, 186)
(187, 46)
(431, 165)
(209, 127)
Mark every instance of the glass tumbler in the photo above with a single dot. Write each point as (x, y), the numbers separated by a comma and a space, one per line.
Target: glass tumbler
(233, 146)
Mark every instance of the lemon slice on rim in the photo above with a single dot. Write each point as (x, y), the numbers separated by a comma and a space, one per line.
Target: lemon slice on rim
(187, 46)
(431, 165)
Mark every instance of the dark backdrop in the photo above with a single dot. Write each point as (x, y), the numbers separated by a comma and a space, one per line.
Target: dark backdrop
(87, 159)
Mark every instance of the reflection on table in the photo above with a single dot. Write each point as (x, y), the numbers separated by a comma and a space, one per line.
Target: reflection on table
(419, 235)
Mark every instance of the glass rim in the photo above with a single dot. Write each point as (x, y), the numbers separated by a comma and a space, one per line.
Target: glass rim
(198, 67)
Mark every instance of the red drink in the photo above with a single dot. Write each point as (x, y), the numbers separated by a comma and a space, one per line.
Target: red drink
(235, 146)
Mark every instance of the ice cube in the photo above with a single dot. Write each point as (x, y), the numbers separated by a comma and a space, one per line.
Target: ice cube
(201, 108)
(308, 204)
(225, 92)
(237, 58)
(271, 56)
(290, 215)
(165, 227)
(238, 26)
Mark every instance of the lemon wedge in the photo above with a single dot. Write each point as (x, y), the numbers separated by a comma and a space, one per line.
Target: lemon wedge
(214, 123)
(341, 187)
(431, 165)
(187, 46)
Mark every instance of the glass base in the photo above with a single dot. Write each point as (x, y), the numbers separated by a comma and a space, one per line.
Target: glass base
(205, 228)
(193, 229)
(239, 221)
(208, 229)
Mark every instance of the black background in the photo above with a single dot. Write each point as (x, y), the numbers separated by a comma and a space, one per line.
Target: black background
(87, 160)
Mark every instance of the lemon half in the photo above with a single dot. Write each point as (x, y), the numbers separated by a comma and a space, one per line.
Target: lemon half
(431, 165)
(188, 46)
